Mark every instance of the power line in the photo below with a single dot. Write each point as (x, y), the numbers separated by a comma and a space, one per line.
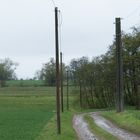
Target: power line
(60, 18)
(132, 13)
(60, 39)
(131, 24)
(60, 25)
(127, 18)
(53, 2)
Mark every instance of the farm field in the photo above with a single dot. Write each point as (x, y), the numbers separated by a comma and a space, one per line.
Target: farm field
(27, 113)
(23, 83)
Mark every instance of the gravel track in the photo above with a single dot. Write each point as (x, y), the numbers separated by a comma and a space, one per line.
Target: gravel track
(81, 128)
(113, 129)
(83, 132)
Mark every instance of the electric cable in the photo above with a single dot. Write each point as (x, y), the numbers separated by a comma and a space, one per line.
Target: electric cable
(53, 2)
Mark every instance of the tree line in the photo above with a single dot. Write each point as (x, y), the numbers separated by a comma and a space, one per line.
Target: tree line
(97, 78)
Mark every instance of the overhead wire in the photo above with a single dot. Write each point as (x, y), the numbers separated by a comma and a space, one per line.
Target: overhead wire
(60, 21)
(53, 2)
(132, 13)
(127, 18)
(60, 18)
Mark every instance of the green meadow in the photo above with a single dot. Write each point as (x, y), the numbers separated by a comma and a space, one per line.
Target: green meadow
(23, 112)
(28, 113)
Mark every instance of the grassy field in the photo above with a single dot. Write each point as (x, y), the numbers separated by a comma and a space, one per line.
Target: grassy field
(28, 113)
(23, 113)
(129, 119)
(24, 83)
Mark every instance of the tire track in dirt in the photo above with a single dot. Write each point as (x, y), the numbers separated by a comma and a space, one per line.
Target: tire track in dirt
(113, 129)
(81, 128)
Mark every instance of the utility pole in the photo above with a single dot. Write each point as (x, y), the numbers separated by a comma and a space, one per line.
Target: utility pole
(119, 88)
(62, 108)
(67, 90)
(57, 73)
(80, 94)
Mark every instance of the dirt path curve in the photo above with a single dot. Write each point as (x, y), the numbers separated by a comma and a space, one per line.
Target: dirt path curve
(111, 128)
(81, 128)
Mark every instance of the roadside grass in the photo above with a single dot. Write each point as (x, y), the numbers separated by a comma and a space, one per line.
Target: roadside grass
(129, 119)
(67, 132)
(99, 132)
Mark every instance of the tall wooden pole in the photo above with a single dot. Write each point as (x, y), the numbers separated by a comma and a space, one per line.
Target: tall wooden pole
(61, 61)
(57, 73)
(119, 88)
(80, 95)
(67, 90)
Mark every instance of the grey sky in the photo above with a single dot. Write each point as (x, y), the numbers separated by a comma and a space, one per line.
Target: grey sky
(27, 29)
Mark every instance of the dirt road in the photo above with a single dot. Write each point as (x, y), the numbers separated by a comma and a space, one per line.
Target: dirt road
(83, 132)
(113, 129)
(81, 128)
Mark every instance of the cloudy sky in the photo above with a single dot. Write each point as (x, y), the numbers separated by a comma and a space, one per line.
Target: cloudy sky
(27, 29)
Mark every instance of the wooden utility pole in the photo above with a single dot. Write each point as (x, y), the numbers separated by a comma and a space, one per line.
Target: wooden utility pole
(62, 108)
(119, 88)
(67, 90)
(81, 95)
(57, 73)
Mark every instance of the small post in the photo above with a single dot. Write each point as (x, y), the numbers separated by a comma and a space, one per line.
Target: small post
(119, 88)
(57, 73)
(62, 108)
(80, 94)
(67, 90)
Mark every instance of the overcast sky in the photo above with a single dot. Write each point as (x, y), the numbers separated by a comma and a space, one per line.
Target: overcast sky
(27, 29)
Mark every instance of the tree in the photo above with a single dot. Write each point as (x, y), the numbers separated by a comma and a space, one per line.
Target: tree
(97, 78)
(131, 44)
(7, 70)
(48, 73)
